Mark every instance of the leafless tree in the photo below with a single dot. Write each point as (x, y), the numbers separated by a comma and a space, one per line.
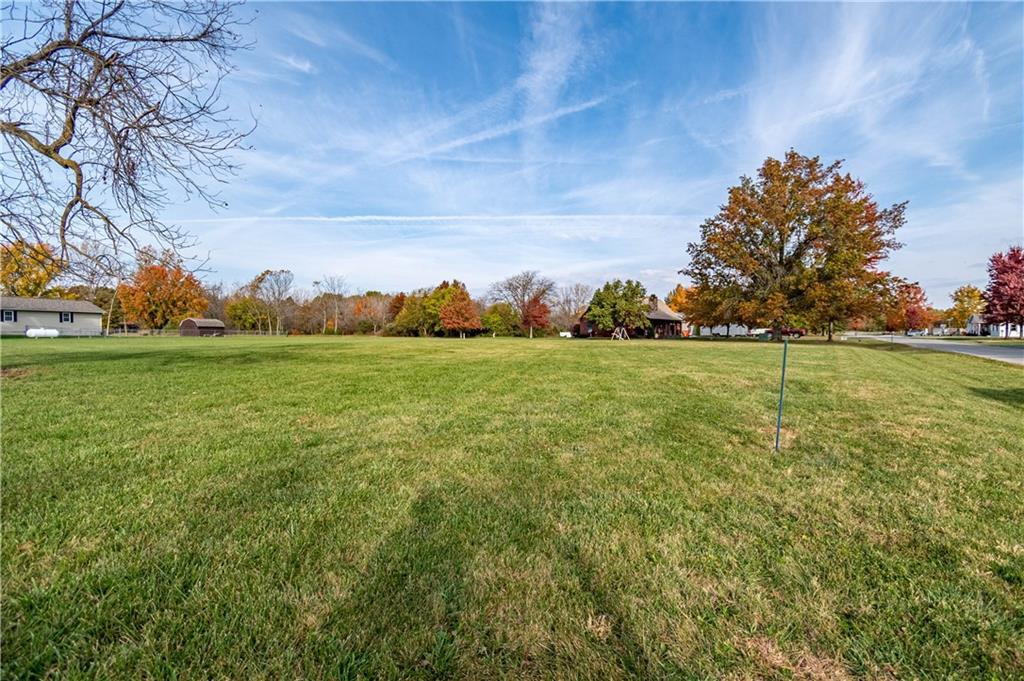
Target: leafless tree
(276, 288)
(518, 289)
(105, 109)
(333, 288)
(569, 304)
(216, 299)
(375, 309)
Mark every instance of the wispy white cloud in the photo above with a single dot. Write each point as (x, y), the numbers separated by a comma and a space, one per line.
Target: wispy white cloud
(554, 54)
(403, 143)
(296, 63)
(325, 35)
(529, 122)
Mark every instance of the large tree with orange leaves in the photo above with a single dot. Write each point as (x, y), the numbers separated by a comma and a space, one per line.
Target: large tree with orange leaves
(800, 240)
(161, 292)
(459, 312)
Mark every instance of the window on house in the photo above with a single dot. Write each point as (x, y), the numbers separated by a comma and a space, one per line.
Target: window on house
(65, 317)
(8, 315)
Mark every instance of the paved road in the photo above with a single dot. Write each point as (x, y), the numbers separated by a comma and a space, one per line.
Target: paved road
(1014, 354)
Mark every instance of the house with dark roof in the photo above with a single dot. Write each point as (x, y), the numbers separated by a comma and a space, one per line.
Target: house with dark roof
(664, 322)
(67, 317)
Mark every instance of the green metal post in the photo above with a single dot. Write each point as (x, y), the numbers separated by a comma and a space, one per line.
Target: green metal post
(782, 393)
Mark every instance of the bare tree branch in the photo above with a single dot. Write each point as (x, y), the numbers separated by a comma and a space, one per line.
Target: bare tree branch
(105, 109)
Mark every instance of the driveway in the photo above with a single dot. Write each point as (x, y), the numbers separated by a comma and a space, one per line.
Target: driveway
(1014, 354)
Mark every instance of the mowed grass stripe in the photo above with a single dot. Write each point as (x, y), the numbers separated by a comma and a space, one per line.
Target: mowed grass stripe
(488, 508)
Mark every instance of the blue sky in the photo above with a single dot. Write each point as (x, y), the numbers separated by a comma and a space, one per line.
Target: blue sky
(402, 144)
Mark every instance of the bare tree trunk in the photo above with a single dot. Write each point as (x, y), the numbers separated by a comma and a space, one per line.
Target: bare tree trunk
(113, 297)
(829, 331)
(531, 331)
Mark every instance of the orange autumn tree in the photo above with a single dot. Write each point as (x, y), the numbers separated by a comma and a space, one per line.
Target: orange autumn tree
(459, 313)
(676, 299)
(800, 240)
(161, 292)
(908, 308)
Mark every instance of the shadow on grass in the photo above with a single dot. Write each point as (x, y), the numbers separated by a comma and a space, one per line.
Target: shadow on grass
(405, 614)
(164, 357)
(1011, 396)
(408, 616)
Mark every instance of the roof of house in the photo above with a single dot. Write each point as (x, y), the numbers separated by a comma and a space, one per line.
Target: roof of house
(48, 305)
(660, 311)
(204, 323)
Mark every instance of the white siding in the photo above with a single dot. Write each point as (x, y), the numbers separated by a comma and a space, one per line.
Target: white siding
(85, 324)
(733, 330)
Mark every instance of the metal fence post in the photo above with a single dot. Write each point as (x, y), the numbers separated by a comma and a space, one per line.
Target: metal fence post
(782, 393)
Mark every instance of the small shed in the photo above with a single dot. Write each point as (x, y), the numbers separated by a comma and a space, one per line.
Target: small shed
(194, 326)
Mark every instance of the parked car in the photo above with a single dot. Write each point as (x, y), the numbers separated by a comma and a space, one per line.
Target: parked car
(917, 332)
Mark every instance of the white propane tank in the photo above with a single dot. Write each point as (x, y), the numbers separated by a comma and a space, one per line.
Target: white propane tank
(42, 333)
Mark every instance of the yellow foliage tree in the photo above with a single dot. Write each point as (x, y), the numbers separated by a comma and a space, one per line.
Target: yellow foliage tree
(28, 269)
(967, 300)
(677, 298)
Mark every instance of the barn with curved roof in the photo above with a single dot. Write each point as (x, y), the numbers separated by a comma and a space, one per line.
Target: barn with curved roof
(197, 326)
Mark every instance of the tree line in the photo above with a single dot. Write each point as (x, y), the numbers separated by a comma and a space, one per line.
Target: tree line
(110, 106)
(801, 244)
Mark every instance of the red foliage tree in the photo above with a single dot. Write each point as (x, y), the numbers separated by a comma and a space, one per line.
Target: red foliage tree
(459, 313)
(536, 314)
(909, 309)
(1004, 297)
(396, 305)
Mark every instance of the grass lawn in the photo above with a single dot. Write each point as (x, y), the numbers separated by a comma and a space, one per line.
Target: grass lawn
(481, 509)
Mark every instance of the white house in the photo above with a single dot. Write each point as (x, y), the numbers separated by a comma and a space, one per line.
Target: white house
(977, 326)
(68, 317)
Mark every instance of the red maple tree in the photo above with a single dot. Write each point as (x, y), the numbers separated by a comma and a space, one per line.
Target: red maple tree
(536, 314)
(1004, 297)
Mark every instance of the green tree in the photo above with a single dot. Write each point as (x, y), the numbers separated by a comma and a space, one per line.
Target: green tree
(501, 320)
(415, 318)
(245, 313)
(620, 305)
